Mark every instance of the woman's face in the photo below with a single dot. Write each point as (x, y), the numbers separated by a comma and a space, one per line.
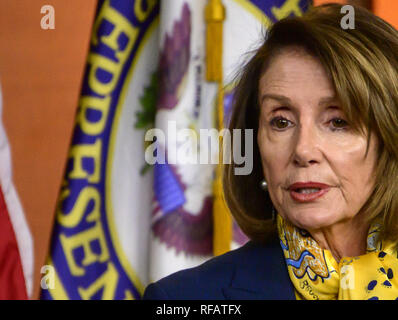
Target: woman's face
(316, 166)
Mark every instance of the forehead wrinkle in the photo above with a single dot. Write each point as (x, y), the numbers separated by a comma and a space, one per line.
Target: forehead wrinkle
(288, 101)
(283, 74)
(272, 90)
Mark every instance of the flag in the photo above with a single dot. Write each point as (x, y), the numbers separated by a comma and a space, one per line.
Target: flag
(16, 244)
(136, 202)
(202, 46)
(181, 224)
(99, 246)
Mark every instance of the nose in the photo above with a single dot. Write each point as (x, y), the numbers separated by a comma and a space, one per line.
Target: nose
(306, 149)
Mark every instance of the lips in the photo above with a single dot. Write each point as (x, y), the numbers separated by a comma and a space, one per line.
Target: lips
(307, 191)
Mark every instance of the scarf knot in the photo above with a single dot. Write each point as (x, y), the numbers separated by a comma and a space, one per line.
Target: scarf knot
(316, 275)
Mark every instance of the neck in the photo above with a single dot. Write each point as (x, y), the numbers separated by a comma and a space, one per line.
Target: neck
(344, 239)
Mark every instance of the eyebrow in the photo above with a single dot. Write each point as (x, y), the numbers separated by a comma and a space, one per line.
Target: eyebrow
(277, 97)
(284, 99)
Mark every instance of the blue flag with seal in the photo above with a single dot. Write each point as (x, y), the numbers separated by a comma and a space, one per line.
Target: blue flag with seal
(99, 243)
(121, 221)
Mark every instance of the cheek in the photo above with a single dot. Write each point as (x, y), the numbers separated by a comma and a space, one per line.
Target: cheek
(354, 171)
(274, 156)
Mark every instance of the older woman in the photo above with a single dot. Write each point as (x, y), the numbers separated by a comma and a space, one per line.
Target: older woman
(323, 103)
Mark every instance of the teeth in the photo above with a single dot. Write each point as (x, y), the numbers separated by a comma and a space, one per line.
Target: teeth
(308, 190)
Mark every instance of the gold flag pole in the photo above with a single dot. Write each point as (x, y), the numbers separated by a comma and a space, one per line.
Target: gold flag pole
(222, 222)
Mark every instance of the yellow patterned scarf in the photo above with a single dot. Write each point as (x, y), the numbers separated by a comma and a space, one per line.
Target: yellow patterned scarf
(316, 275)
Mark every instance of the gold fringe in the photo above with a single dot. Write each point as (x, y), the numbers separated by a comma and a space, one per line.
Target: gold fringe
(222, 222)
(214, 16)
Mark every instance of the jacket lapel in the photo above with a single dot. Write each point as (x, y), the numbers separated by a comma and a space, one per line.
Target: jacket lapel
(262, 275)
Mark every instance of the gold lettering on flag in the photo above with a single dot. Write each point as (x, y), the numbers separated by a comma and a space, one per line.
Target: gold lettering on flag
(289, 7)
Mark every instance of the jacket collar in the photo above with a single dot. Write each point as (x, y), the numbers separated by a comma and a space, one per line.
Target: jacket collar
(261, 275)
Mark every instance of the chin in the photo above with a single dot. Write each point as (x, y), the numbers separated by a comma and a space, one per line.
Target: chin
(312, 219)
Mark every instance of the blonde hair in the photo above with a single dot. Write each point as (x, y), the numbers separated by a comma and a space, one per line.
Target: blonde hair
(363, 66)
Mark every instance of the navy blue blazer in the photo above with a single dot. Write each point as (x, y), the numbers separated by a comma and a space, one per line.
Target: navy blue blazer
(251, 272)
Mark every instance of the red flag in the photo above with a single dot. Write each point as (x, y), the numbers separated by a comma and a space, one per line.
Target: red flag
(12, 281)
(16, 243)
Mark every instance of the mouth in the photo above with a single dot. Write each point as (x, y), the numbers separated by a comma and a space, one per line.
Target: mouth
(308, 191)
